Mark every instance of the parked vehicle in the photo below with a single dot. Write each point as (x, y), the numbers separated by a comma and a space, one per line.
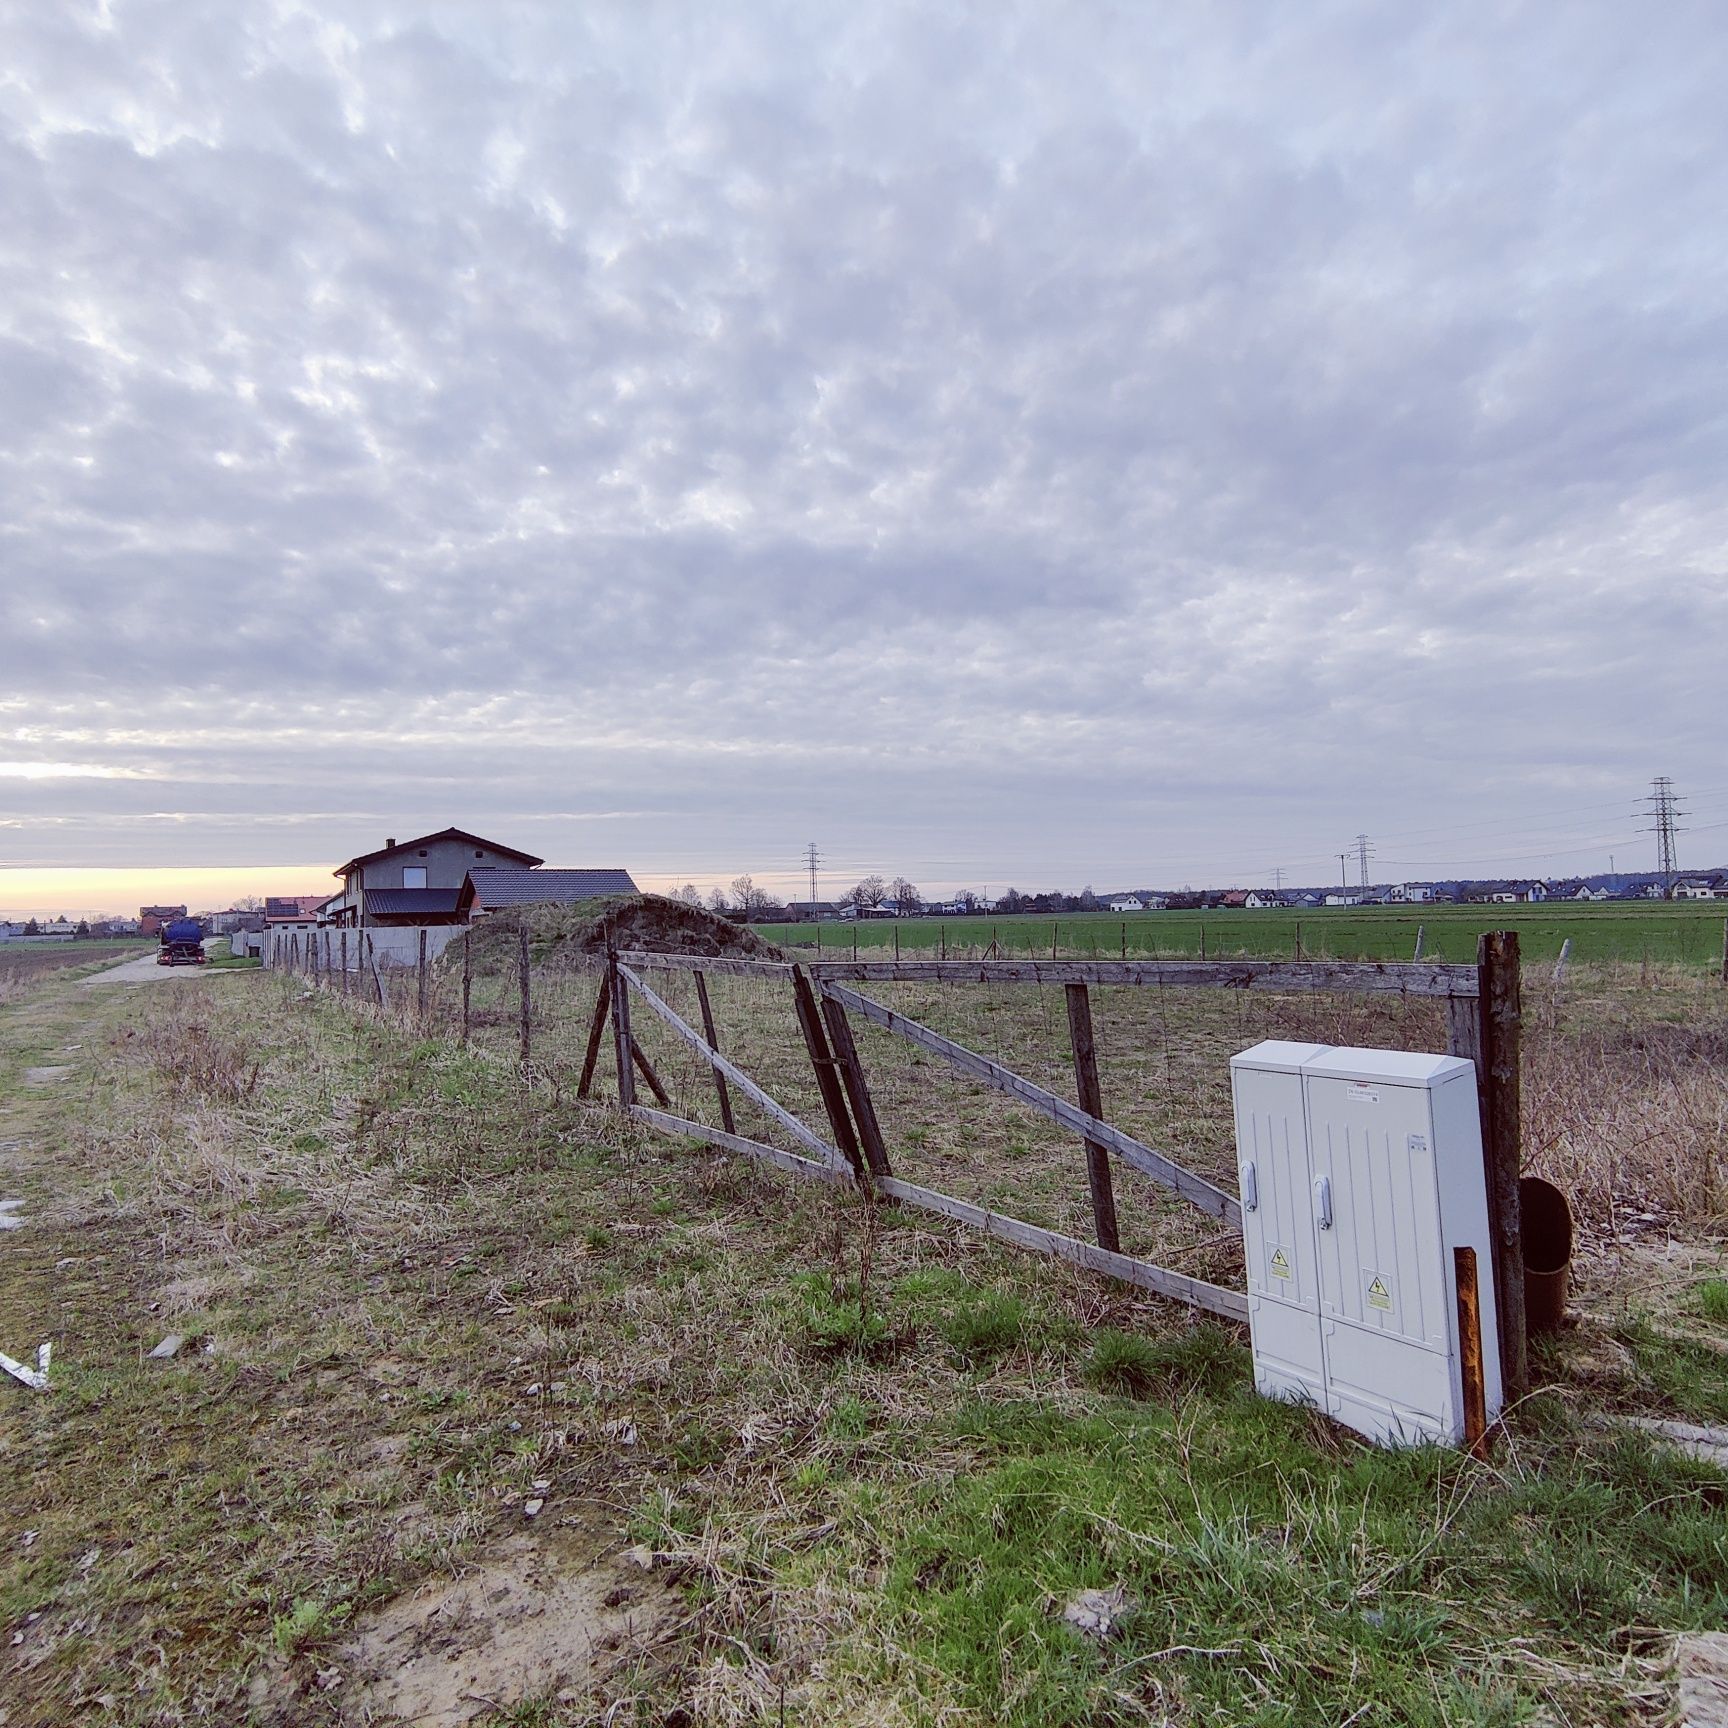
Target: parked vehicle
(182, 943)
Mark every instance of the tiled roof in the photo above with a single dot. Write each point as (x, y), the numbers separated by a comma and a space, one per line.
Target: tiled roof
(399, 902)
(499, 887)
(420, 840)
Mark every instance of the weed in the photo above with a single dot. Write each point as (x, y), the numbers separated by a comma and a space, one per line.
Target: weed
(1203, 1358)
(988, 1326)
(307, 1624)
(1712, 1299)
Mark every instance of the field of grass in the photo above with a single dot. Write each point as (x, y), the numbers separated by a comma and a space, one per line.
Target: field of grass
(837, 1465)
(1688, 933)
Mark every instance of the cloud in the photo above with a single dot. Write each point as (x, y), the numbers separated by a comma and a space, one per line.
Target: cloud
(1095, 443)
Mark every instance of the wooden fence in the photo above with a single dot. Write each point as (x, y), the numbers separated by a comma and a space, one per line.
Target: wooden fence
(1481, 1004)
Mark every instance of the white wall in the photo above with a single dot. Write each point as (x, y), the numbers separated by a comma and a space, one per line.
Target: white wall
(395, 946)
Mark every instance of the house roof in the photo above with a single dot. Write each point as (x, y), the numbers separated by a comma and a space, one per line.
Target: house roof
(293, 905)
(406, 902)
(461, 834)
(494, 886)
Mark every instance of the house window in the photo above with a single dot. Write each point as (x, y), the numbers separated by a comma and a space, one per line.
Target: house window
(413, 875)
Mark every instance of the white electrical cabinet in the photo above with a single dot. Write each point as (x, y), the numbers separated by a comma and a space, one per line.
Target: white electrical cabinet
(1361, 1173)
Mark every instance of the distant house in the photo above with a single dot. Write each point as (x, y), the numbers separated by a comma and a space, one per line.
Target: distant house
(490, 888)
(812, 911)
(1410, 893)
(416, 881)
(292, 911)
(1260, 899)
(1701, 888)
(152, 918)
(1344, 897)
(1128, 903)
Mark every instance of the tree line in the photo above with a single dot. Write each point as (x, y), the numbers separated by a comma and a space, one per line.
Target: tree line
(874, 894)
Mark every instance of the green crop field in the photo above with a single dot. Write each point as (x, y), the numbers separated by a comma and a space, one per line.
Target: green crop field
(1688, 932)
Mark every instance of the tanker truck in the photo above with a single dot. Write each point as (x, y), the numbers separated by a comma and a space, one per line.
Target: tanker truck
(182, 943)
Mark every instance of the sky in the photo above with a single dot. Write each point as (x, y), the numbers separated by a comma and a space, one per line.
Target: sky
(1019, 444)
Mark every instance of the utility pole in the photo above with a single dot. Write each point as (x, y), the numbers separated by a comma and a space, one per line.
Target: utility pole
(1277, 877)
(1664, 810)
(1363, 852)
(812, 859)
(1343, 873)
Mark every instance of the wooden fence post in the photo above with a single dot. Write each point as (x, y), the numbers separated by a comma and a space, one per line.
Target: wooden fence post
(522, 979)
(596, 1026)
(857, 1087)
(1500, 999)
(467, 983)
(827, 1076)
(713, 1038)
(420, 982)
(1421, 931)
(1725, 950)
(620, 998)
(1092, 1102)
(347, 988)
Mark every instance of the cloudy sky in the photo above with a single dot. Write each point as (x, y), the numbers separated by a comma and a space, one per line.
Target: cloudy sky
(1129, 444)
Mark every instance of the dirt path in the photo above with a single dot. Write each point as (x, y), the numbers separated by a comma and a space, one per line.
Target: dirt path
(145, 970)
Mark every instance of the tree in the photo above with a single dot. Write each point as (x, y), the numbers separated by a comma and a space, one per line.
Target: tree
(83, 927)
(906, 893)
(32, 928)
(868, 895)
(717, 901)
(1011, 902)
(1088, 901)
(967, 900)
(689, 894)
(748, 897)
(248, 903)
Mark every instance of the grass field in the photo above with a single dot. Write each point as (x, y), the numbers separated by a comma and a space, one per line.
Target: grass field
(1689, 933)
(826, 1465)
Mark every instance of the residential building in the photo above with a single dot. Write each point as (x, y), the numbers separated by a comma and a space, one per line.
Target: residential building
(418, 881)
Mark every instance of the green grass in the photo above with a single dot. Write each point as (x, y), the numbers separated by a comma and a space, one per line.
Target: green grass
(1688, 933)
(1277, 1577)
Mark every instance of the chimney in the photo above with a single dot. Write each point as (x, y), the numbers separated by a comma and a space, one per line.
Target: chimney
(390, 844)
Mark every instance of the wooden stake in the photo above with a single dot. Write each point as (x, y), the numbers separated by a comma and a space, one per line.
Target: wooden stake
(827, 1076)
(713, 1038)
(1421, 931)
(621, 1033)
(467, 985)
(646, 1068)
(1092, 1102)
(420, 981)
(596, 1026)
(857, 1087)
(522, 980)
(1499, 985)
(1470, 1351)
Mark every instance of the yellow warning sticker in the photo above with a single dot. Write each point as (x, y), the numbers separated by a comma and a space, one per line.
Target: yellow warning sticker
(1379, 1296)
(1280, 1264)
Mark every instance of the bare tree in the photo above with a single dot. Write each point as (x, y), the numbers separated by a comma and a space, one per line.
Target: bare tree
(906, 893)
(748, 898)
(869, 894)
(689, 894)
(717, 901)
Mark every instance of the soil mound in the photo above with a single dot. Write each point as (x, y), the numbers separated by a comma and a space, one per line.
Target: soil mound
(624, 921)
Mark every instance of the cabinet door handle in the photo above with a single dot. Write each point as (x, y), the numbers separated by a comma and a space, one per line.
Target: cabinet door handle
(1250, 1187)
(1323, 1201)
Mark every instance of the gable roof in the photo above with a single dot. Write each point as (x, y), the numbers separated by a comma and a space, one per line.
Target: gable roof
(491, 885)
(461, 834)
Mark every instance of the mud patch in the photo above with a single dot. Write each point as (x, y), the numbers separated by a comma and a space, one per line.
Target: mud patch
(532, 1619)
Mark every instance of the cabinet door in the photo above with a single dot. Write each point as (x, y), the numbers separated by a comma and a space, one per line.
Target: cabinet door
(1278, 1235)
